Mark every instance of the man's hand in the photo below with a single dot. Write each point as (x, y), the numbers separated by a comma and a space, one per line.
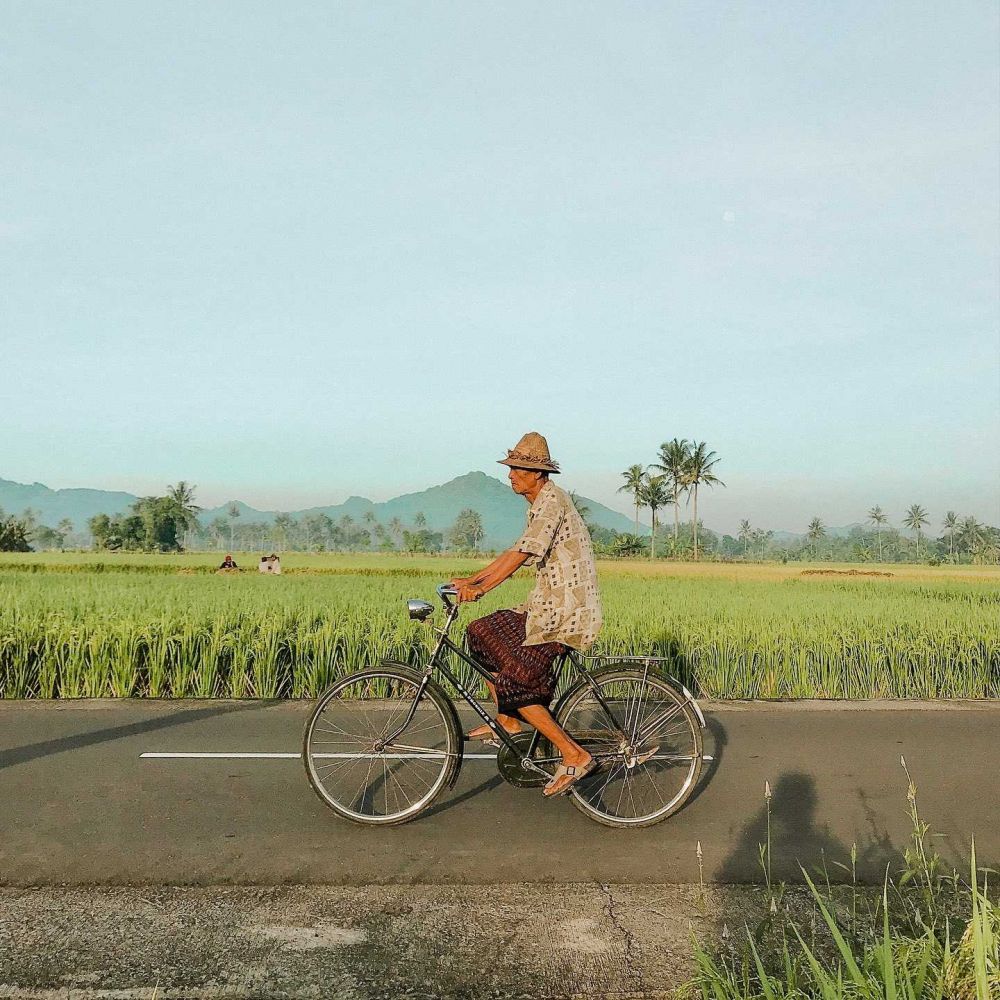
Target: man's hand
(471, 588)
(467, 589)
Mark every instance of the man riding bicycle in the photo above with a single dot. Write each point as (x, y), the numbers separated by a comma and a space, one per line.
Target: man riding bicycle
(520, 645)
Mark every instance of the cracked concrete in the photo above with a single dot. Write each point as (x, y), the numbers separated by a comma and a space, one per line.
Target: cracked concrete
(360, 943)
(632, 962)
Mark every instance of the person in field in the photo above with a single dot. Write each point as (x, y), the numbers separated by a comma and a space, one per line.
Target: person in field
(520, 645)
(228, 563)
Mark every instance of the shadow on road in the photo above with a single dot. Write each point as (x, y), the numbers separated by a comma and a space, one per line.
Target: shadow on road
(716, 749)
(484, 786)
(76, 741)
(795, 838)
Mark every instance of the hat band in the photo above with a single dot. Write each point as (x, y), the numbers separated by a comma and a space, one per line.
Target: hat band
(523, 456)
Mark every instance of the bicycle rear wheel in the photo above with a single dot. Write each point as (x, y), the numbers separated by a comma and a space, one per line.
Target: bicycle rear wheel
(648, 741)
(355, 769)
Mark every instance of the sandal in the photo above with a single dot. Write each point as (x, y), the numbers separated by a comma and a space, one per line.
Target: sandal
(573, 772)
(486, 737)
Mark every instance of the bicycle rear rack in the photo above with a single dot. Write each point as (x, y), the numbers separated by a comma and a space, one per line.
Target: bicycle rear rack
(660, 662)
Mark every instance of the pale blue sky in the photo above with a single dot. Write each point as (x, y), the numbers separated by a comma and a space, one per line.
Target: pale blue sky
(295, 251)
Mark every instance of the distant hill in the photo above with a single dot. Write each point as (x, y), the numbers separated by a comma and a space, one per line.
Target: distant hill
(53, 505)
(842, 532)
(501, 509)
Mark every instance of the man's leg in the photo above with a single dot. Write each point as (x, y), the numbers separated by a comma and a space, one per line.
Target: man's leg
(508, 722)
(540, 717)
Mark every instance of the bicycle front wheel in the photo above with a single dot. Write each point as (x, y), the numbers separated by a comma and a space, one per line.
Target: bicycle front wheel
(359, 768)
(648, 741)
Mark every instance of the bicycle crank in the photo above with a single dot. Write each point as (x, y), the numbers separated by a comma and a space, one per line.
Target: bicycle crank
(511, 765)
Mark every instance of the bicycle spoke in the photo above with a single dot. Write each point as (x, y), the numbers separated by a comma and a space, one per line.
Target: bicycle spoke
(630, 787)
(360, 775)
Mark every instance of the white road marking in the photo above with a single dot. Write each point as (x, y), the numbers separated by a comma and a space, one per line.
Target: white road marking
(288, 756)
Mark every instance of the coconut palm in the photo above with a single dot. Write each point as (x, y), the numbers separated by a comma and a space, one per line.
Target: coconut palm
(745, 536)
(396, 528)
(183, 495)
(878, 517)
(815, 532)
(915, 517)
(655, 494)
(673, 460)
(233, 512)
(765, 537)
(633, 476)
(971, 534)
(950, 523)
(581, 508)
(698, 472)
(65, 529)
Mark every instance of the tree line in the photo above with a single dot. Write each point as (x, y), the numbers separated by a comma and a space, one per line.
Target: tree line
(171, 523)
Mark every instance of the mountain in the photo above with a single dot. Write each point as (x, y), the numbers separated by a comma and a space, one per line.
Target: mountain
(502, 510)
(52, 506)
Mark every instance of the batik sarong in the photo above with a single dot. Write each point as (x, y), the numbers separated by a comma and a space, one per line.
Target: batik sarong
(523, 675)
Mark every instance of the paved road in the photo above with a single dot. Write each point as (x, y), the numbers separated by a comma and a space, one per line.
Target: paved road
(80, 806)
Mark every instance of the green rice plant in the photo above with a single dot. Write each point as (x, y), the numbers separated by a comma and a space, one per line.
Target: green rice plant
(169, 627)
(160, 643)
(125, 659)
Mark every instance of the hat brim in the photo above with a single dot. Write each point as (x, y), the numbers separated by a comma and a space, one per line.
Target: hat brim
(525, 464)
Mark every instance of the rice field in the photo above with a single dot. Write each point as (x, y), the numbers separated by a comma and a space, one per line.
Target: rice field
(86, 626)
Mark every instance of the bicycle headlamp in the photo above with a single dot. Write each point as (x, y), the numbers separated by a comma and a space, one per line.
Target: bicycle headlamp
(419, 610)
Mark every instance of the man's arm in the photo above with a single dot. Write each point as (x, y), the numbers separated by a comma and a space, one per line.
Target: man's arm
(502, 568)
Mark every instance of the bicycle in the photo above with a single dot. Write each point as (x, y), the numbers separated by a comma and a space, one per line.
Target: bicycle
(383, 743)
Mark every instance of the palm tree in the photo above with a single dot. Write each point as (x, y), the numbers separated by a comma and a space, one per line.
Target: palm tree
(282, 528)
(816, 531)
(673, 460)
(633, 477)
(396, 528)
(655, 494)
(581, 508)
(746, 533)
(915, 517)
(765, 537)
(698, 472)
(233, 511)
(971, 534)
(65, 528)
(950, 524)
(476, 529)
(878, 517)
(183, 496)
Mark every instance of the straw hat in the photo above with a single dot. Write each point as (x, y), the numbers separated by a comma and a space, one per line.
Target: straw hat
(531, 452)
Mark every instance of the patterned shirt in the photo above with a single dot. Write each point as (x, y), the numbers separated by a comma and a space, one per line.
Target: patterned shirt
(565, 605)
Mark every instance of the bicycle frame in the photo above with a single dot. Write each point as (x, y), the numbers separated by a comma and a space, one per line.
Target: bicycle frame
(435, 662)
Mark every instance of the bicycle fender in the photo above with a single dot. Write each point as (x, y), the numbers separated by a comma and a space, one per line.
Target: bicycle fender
(695, 706)
(461, 745)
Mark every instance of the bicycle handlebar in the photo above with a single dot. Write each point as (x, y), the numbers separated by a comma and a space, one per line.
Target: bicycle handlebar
(444, 591)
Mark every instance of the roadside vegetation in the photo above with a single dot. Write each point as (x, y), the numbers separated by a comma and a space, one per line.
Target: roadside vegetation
(931, 933)
(167, 626)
